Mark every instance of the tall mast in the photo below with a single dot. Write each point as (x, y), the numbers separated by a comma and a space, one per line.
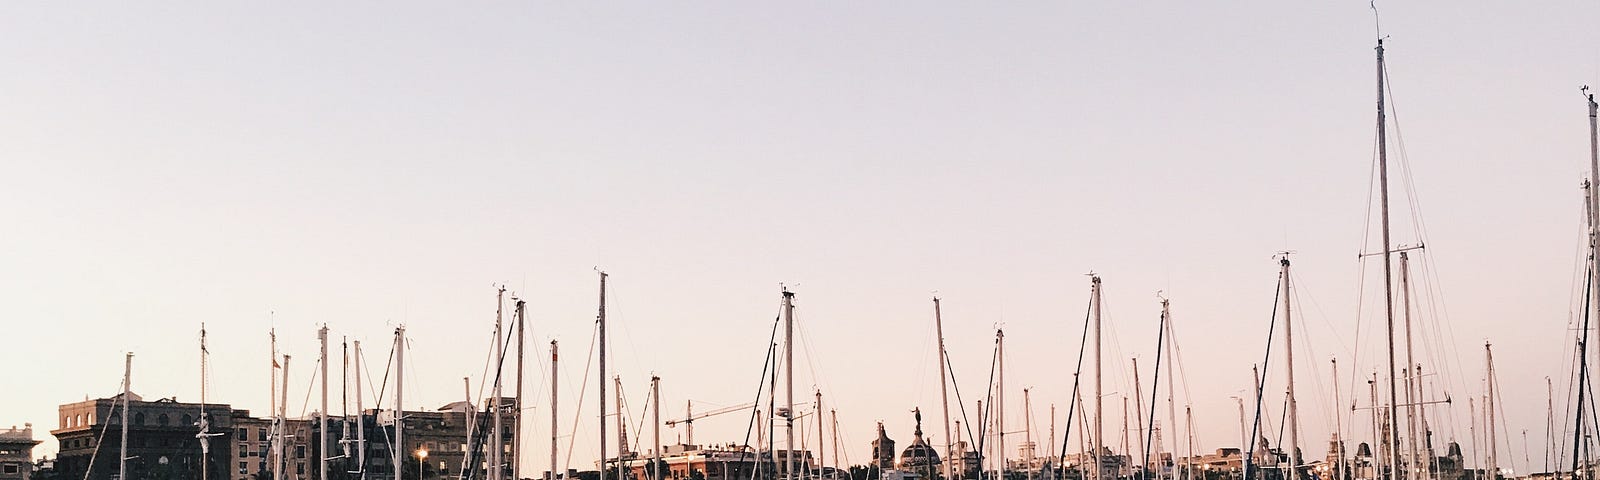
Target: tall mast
(1099, 406)
(127, 395)
(655, 414)
(1288, 353)
(283, 420)
(322, 417)
(1592, 205)
(1388, 280)
(516, 412)
(822, 457)
(1138, 417)
(1488, 408)
(1172, 405)
(1379, 455)
(1127, 443)
(1000, 406)
(496, 429)
(344, 399)
(497, 437)
(600, 319)
(205, 423)
(944, 394)
(1338, 440)
(470, 417)
(1027, 432)
(399, 400)
(361, 422)
(622, 428)
(272, 397)
(1413, 392)
(554, 444)
(835, 415)
(788, 374)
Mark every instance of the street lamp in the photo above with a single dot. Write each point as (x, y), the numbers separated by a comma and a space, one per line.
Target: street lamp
(422, 458)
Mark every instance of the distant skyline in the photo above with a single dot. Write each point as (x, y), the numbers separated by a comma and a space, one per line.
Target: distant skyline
(255, 167)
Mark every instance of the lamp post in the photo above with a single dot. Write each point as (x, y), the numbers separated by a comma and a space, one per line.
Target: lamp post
(422, 458)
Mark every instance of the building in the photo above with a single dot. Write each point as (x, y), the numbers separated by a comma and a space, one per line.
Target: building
(164, 444)
(16, 453)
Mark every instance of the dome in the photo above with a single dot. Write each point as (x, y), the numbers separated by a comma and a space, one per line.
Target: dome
(919, 453)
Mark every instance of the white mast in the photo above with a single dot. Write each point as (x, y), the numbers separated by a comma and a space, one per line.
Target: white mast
(516, 412)
(788, 374)
(600, 319)
(1171, 429)
(835, 415)
(283, 420)
(399, 398)
(1494, 467)
(497, 434)
(655, 418)
(1414, 462)
(1000, 405)
(1288, 354)
(272, 410)
(205, 423)
(822, 457)
(470, 417)
(1027, 432)
(944, 393)
(554, 421)
(1096, 442)
(361, 421)
(1138, 420)
(322, 417)
(127, 395)
(1338, 437)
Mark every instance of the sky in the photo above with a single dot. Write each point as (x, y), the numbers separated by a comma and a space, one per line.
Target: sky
(255, 166)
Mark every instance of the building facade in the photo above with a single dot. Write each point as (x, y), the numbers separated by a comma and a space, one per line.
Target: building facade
(16, 453)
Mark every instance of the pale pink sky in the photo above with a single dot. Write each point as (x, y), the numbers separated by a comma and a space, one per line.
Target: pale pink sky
(366, 165)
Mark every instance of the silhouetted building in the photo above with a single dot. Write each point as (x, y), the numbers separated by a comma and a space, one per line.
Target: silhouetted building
(16, 453)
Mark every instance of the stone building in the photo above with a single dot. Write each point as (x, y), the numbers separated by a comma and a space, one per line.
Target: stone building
(162, 440)
(16, 453)
(164, 445)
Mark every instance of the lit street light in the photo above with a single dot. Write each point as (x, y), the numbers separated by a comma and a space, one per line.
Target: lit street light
(422, 457)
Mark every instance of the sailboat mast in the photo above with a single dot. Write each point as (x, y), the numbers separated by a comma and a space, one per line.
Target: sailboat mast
(944, 394)
(322, 417)
(1000, 405)
(1288, 353)
(469, 416)
(1338, 437)
(399, 400)
(1413, 394)
(1027, 431)
(283, 421)
(516, 412)
(361, 422)
(272, 398)
(1388, 280)
(655, 414)
(822, 457)
(554, 430)
(1099, 406)
(1172, 406)
(205, 423)
(127, 395)
(1488, 358)
(600, 319)
(1138, 414)
(497, 433)
(788, 376)
(835, 417)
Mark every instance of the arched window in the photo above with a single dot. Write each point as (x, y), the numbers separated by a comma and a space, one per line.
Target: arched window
(162, 420)
(188, 420)
(138, 418)
(80, 420)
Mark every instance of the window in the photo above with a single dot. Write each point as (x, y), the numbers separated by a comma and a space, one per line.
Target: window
(80, 420)
(244, 434)
(261, 435)
(138, 418)
(188, 420)
(11, 468)
(244, 468)
(161, 420)
(299, 451)
(244, 450)
(300, 468)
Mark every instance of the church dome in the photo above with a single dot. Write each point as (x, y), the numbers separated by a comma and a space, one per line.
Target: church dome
(919, 453)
